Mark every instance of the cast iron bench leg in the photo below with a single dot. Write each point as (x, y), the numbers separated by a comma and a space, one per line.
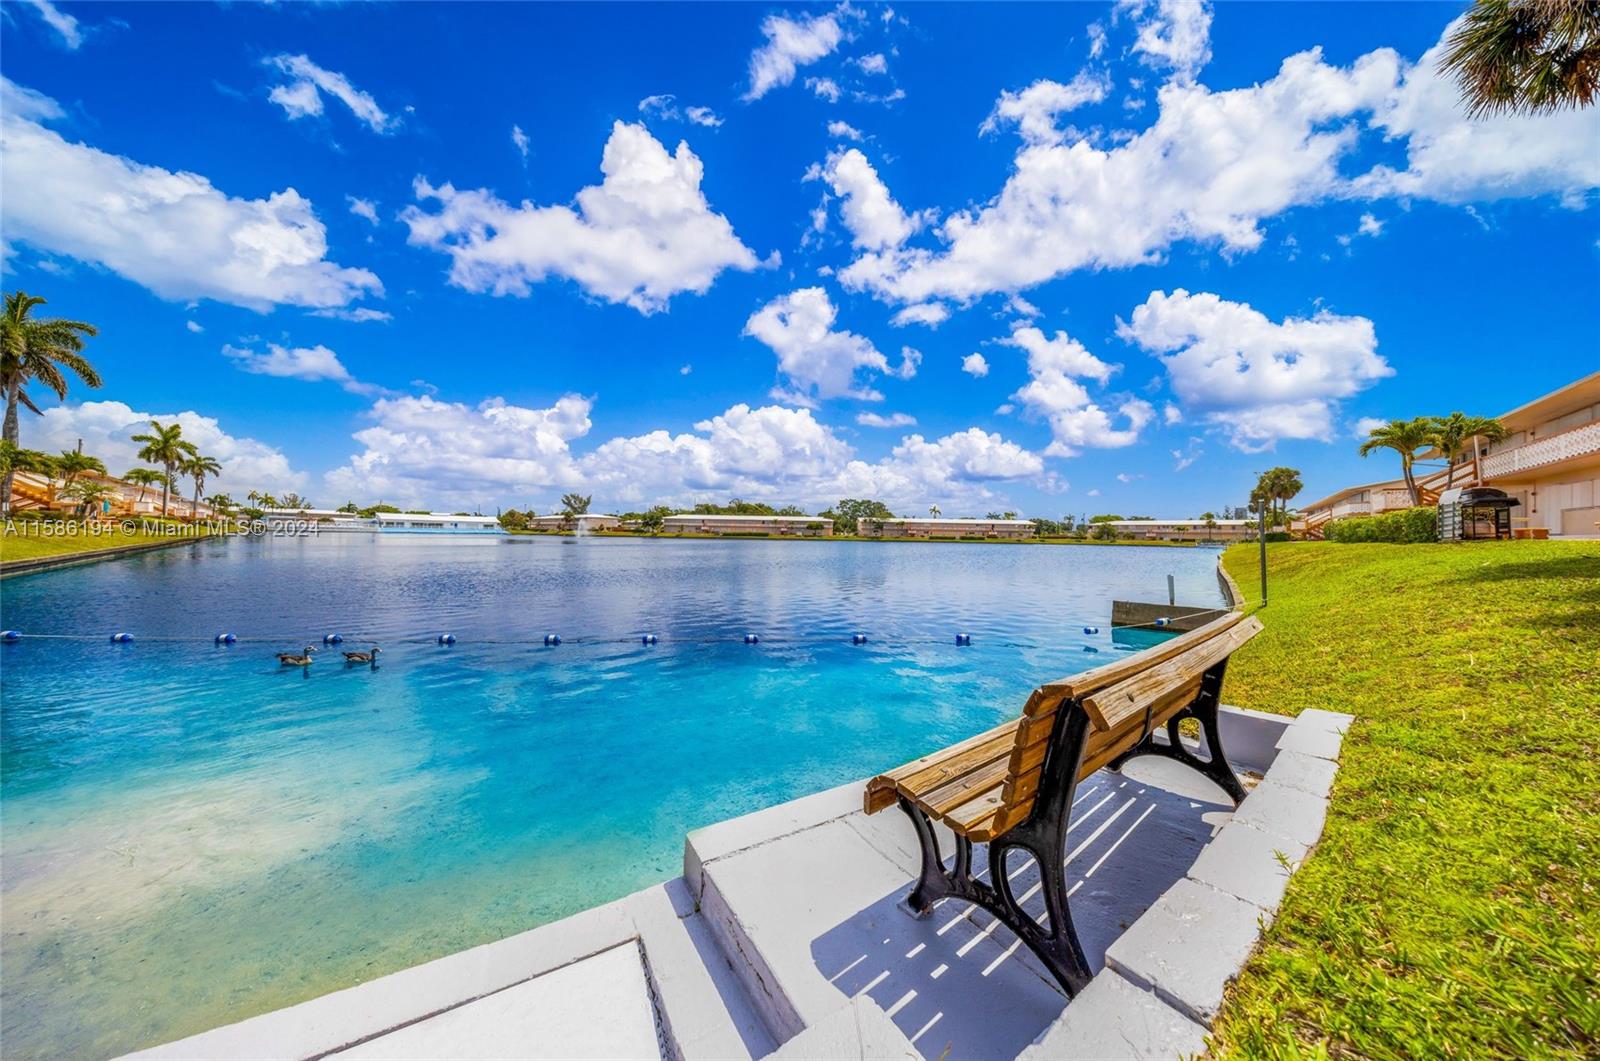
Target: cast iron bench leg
(1043, 836)
(1204, 711)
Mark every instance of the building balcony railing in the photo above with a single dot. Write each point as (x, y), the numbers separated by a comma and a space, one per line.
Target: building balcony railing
(1578, 442)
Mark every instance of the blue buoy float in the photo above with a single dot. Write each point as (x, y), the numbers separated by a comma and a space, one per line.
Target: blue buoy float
(858, 639)
(121, 639)
(648, 639)
(10, 637)
(963, 639)
(447, 639)
(1091, 630)
(552, 640)
(751, 639)
(226, 639)
(1163, 622)
(332, 639)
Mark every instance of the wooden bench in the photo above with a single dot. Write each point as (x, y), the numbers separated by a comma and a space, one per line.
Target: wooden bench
(1013, 786)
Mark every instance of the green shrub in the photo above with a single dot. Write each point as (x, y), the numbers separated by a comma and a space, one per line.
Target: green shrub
(1277, 536)
(1407, 525)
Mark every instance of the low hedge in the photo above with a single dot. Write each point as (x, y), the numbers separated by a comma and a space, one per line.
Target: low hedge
(1404, 526)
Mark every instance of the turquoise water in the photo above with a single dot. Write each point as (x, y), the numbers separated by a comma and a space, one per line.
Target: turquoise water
(193, 834)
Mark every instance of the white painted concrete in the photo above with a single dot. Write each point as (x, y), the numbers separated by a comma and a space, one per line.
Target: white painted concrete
(788, 927)
(598, 1007)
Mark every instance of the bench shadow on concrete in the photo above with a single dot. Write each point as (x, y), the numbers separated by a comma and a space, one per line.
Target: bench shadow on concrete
(958, 983)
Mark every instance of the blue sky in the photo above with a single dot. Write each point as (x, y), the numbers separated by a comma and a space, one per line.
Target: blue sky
(1053, 258)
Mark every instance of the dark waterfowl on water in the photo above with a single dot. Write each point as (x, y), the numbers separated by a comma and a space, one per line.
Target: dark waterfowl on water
(362, 657)
(303, 658)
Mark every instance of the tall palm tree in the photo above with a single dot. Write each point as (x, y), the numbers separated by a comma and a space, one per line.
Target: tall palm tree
(164, 445)
(933, 510)
(200, 468)
(72, 464)
(36, 349)
(143, 478)
(1526, 56)
(1211, 523)
(1282, 484)
(1452, 433)
(253, 497)
(1405, 437)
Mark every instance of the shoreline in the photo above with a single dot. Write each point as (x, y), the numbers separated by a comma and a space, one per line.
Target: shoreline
(852, 538)
(36, 564)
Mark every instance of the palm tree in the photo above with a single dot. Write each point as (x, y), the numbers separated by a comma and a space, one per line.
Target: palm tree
(1211, 523)
(200, 468)
(164, 445)
(89, 493)
(1282, 484)
(143, 478)
(73, 463)
(36, 349)
(573, 506)
(933, 510)
(254, 497)
(1526, 56)
(1452, 433)
(14, 458)
(220, 502)
(266, 501)
(1405, 437)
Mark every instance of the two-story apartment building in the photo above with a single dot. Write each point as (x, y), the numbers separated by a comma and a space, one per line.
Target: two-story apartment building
(939, 527)
(1549, 461)
(801, 526)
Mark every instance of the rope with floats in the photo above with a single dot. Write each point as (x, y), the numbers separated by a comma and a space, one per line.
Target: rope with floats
(963, 639)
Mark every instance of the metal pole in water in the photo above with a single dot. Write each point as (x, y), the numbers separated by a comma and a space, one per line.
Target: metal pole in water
(1172, 592)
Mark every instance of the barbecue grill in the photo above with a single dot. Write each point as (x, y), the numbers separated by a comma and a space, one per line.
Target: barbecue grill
(1473, 513)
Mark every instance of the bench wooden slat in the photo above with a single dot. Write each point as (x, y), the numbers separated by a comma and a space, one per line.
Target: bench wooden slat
(1111, 705)
(985, 785)
(883, 790)
(1080, 685)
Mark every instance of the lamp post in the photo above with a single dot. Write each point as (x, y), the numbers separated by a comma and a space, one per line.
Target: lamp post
(1263, 510)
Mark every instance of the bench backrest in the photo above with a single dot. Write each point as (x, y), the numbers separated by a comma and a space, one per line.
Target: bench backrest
(1123, 700)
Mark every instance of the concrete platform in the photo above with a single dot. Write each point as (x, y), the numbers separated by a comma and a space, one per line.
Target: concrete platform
(787, 936)
(535, 1019)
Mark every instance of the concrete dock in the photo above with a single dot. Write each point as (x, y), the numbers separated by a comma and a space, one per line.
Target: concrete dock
(787, 937)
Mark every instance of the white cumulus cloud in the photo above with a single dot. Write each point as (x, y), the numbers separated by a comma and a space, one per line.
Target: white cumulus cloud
(1259, 380)
(1172, 34)
(819, 361)
(642, 235)
(301, 96)
(1215, 165)
(891, 420)
(422, 451)
(791, 43)
(1033, 110)
(106, 429)
(975, 364)
(875, 220)
(1055, 365)
(931, 314)
(309, 363)
(172, 232)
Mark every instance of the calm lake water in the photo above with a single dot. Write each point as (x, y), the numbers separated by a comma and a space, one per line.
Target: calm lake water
(194, 834)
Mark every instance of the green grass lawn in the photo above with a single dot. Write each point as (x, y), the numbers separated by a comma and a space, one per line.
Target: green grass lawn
(1451, 907)
(22, 542)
